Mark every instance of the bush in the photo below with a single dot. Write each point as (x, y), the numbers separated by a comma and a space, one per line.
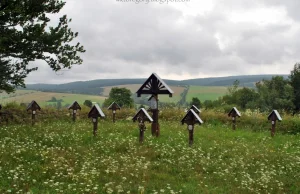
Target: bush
(88, 103)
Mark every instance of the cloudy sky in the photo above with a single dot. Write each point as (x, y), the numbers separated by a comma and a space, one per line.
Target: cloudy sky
(180, 40)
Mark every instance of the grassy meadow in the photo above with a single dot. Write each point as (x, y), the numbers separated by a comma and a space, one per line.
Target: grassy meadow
(63, 157)
(134, 87)
(205, 92)
(26, 96)
(163, 98)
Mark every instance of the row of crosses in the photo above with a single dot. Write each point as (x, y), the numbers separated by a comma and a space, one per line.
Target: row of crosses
(153, 86)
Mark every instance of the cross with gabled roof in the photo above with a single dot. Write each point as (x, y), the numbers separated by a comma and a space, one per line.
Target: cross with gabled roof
(154, 85)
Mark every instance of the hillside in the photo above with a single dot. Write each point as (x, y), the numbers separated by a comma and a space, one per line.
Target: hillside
(44, 98)
(96, 87)
(245, 80)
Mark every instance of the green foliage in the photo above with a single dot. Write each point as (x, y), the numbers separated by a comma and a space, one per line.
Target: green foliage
(245, 96)
(276, 93)
(9, 74)
(53, 99)
(232, 89)
(88, 103)
(208, 104)
(26, 36)
(12, 105)
(241, 97)
(196, 102)
(122, 96)
(295, 83)
(250, 120)
(23, 104)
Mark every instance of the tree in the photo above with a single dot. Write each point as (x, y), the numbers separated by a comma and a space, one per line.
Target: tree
(122, 96)
(88, 103)
(26, 36)
(208, 104)
(53, 99)
(245, 96)
(231, 96)
(295, 83)
(232, 89)
(276, 93)
(196, 102)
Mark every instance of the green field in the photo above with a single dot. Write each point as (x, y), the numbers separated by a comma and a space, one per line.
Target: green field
(163, 98)
(205, 92)
(166, 98)
(63, 157)
(201, 92)
(26, 96)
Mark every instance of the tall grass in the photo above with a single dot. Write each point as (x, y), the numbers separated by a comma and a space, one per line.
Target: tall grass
(252, 121)
(64, 157)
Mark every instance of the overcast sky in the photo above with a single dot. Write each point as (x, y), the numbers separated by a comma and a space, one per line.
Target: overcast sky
(180, 40)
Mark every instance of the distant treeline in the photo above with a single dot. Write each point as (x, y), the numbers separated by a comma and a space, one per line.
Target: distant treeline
(278, 93)
(95, 87)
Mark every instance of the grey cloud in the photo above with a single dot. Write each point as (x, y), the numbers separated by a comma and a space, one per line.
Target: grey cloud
(292, 7)
(129, 40)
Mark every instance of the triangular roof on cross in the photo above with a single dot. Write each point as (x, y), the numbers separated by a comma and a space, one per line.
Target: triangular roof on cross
(191, 114)
(276, 114)
(114, 106)
(33, 105)
(197, 110)
(96, 112)
(142, 113)
(154, 85)
(74, 106)
(234, 110)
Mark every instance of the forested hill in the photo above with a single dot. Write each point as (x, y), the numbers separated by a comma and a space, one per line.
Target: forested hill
(95, 86)
(245, 80)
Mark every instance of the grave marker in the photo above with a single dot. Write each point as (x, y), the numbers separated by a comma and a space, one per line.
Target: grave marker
(114, 106)
(154, 85)
(33, 106)
(191, 118)
(234, 113)
(274, 116)
(74, 107)
(141, 116)
(94, 113)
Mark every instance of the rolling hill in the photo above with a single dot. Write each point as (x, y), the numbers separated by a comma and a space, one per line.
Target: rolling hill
(98, 90)
(96, 87)
(43, 98)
